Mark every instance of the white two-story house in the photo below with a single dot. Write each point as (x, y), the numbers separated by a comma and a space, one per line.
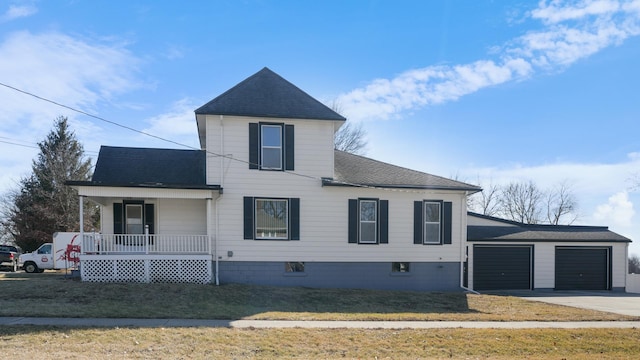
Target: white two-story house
(267, 200)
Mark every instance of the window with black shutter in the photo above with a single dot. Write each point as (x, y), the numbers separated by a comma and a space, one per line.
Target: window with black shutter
(368, 221)
(271, 146)
(432, 222)
(271, 218)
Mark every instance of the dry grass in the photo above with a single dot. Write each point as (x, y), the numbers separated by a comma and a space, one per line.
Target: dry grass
(206, 343)
(51, 294)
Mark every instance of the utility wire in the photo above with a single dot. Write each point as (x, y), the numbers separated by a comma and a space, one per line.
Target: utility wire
(140, 131)
(192, 147)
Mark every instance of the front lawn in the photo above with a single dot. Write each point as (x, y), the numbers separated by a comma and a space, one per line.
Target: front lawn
(51, 294)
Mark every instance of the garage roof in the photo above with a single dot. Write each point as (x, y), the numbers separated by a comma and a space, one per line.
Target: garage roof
(540, 233)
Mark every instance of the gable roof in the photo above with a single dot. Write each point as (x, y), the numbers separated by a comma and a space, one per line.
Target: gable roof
(267, 94)
(520, 232)
(350, 170)
(146, 167)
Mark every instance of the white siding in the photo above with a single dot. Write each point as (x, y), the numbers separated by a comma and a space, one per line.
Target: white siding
(313, 150)
(324, 228)
(172, 216)
(181, 217)
(323, 210)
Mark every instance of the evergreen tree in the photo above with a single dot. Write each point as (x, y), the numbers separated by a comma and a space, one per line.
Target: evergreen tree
(44, 204)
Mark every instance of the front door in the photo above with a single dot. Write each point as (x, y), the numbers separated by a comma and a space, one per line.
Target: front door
(134, 219)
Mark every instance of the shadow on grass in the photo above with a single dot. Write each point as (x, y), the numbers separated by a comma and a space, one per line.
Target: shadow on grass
(53, 294)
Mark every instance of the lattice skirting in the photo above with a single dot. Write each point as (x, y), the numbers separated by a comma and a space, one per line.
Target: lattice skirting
(195, 269)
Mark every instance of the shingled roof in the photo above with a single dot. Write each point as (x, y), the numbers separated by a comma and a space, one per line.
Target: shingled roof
(514, 231)
(267, 94)
(146, 167)
(350, 169)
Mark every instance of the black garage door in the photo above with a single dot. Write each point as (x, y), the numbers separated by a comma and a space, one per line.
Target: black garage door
(583, 268)
(502, 267)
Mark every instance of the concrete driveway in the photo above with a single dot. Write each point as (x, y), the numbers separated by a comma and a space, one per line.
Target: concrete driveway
(619, 303)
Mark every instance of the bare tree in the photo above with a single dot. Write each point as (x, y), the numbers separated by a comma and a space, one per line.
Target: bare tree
(634, 264)
(561, 204)
(349, 138)
(521, 202)
(486, 202)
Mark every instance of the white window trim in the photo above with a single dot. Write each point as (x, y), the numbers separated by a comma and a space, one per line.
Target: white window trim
(255, 219)
(439, 223)
(374, 222)
(262, 147)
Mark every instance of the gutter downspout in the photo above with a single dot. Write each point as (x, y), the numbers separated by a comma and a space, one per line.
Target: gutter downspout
(215, 244)
(463, 241)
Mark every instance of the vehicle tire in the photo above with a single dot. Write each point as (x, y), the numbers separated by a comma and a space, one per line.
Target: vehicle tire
(31, 267)
(14, 267)
(40, 271)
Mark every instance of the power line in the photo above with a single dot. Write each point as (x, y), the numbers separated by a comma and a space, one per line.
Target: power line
(140, 131)
(194, 148)
(12, 143)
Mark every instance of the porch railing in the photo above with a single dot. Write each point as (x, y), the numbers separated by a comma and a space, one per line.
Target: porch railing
(94, 243)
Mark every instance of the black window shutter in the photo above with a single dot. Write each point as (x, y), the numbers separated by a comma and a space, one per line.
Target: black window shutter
(383, 221)
(417, 222)
(149, 217)
(353, 221)
(289, 147)
(294, 219)
(248, 218)
(254, 145)
(447, 214)
(117, 218)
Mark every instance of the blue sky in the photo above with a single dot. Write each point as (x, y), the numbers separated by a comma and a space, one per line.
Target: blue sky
(485, 91)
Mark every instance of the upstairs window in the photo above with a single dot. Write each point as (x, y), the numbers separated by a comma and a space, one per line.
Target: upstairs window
(271, 146)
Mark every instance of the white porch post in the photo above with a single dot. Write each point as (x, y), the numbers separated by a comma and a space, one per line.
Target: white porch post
(81, 201)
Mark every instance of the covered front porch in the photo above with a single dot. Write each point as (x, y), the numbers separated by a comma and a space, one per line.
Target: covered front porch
(149, 235)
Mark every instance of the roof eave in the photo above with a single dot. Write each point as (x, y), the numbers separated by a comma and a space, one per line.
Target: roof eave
(147, 185)
(331, 182)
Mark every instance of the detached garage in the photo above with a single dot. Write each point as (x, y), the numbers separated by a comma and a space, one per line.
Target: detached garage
(507, 255)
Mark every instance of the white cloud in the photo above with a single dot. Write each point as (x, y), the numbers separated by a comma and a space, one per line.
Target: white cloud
(15, 12)
(76, 72)
(556, 11)
(617, 211)
(178, 124)
(594, 25)
(81, 73)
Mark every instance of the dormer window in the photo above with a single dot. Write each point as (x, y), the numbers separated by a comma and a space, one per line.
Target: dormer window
(271, 146)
